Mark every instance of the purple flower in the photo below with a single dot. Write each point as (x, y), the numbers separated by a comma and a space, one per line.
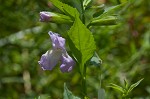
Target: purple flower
(58, 53)
(67, 63)
(45, 16)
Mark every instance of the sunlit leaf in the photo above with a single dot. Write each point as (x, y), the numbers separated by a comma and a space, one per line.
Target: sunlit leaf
(68, 10)
(75, 51)
(83, 39)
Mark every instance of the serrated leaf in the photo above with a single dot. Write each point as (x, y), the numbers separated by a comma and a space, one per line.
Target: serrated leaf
(75, 51)
(134, 85)
(68, 10)
(68, 94)
(83, 40)
(101, 93)
(114, 86)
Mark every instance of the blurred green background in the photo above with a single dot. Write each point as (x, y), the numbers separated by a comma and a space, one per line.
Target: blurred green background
(123, 48)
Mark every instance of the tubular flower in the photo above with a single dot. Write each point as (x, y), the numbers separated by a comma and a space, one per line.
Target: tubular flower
(54, 17)
(58, 53)
(45, 16)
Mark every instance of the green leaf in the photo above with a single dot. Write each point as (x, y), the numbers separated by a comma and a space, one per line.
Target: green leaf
(108, 20)
(68, 94)
(86, 3)
(95, 60)
(99, 10)
(44, 96)
(101, 93)
(134, 85)
(114, 86)
(97, 13)
(126, 84)
(83, 40)
(68, 10)
(112, 10)
(75, 51)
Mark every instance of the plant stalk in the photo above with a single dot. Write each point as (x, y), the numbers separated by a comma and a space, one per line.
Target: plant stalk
(83, 66)
(82, 12)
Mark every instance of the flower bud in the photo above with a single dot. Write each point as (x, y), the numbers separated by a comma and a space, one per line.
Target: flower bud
(54, 17)
(45, 16)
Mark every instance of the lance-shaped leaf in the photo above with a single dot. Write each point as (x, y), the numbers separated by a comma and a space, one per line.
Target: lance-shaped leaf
(108, 20)
(83, 40)
(126, 85)
(68, 10)
(134, 85)
(114, 86)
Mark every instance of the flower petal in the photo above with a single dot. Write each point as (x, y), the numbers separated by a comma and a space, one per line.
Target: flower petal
(57, 41)
(50, 59)
(45, 16)
(67, 63)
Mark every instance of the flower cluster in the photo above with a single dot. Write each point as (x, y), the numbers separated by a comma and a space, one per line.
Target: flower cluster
(58, 53)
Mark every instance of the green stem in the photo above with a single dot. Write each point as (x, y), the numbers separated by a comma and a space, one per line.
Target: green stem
(100, 79)
(84, 87)
(82, 12)
(83, 80)
(83, 66)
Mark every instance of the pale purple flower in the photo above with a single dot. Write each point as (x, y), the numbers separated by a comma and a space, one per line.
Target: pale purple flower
(67, 63)
(45, 16)
(58, 53)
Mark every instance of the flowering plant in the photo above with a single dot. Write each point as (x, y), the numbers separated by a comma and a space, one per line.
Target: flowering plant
(81, 42)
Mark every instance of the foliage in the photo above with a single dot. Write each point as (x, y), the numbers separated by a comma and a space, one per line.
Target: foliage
(126, 89)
